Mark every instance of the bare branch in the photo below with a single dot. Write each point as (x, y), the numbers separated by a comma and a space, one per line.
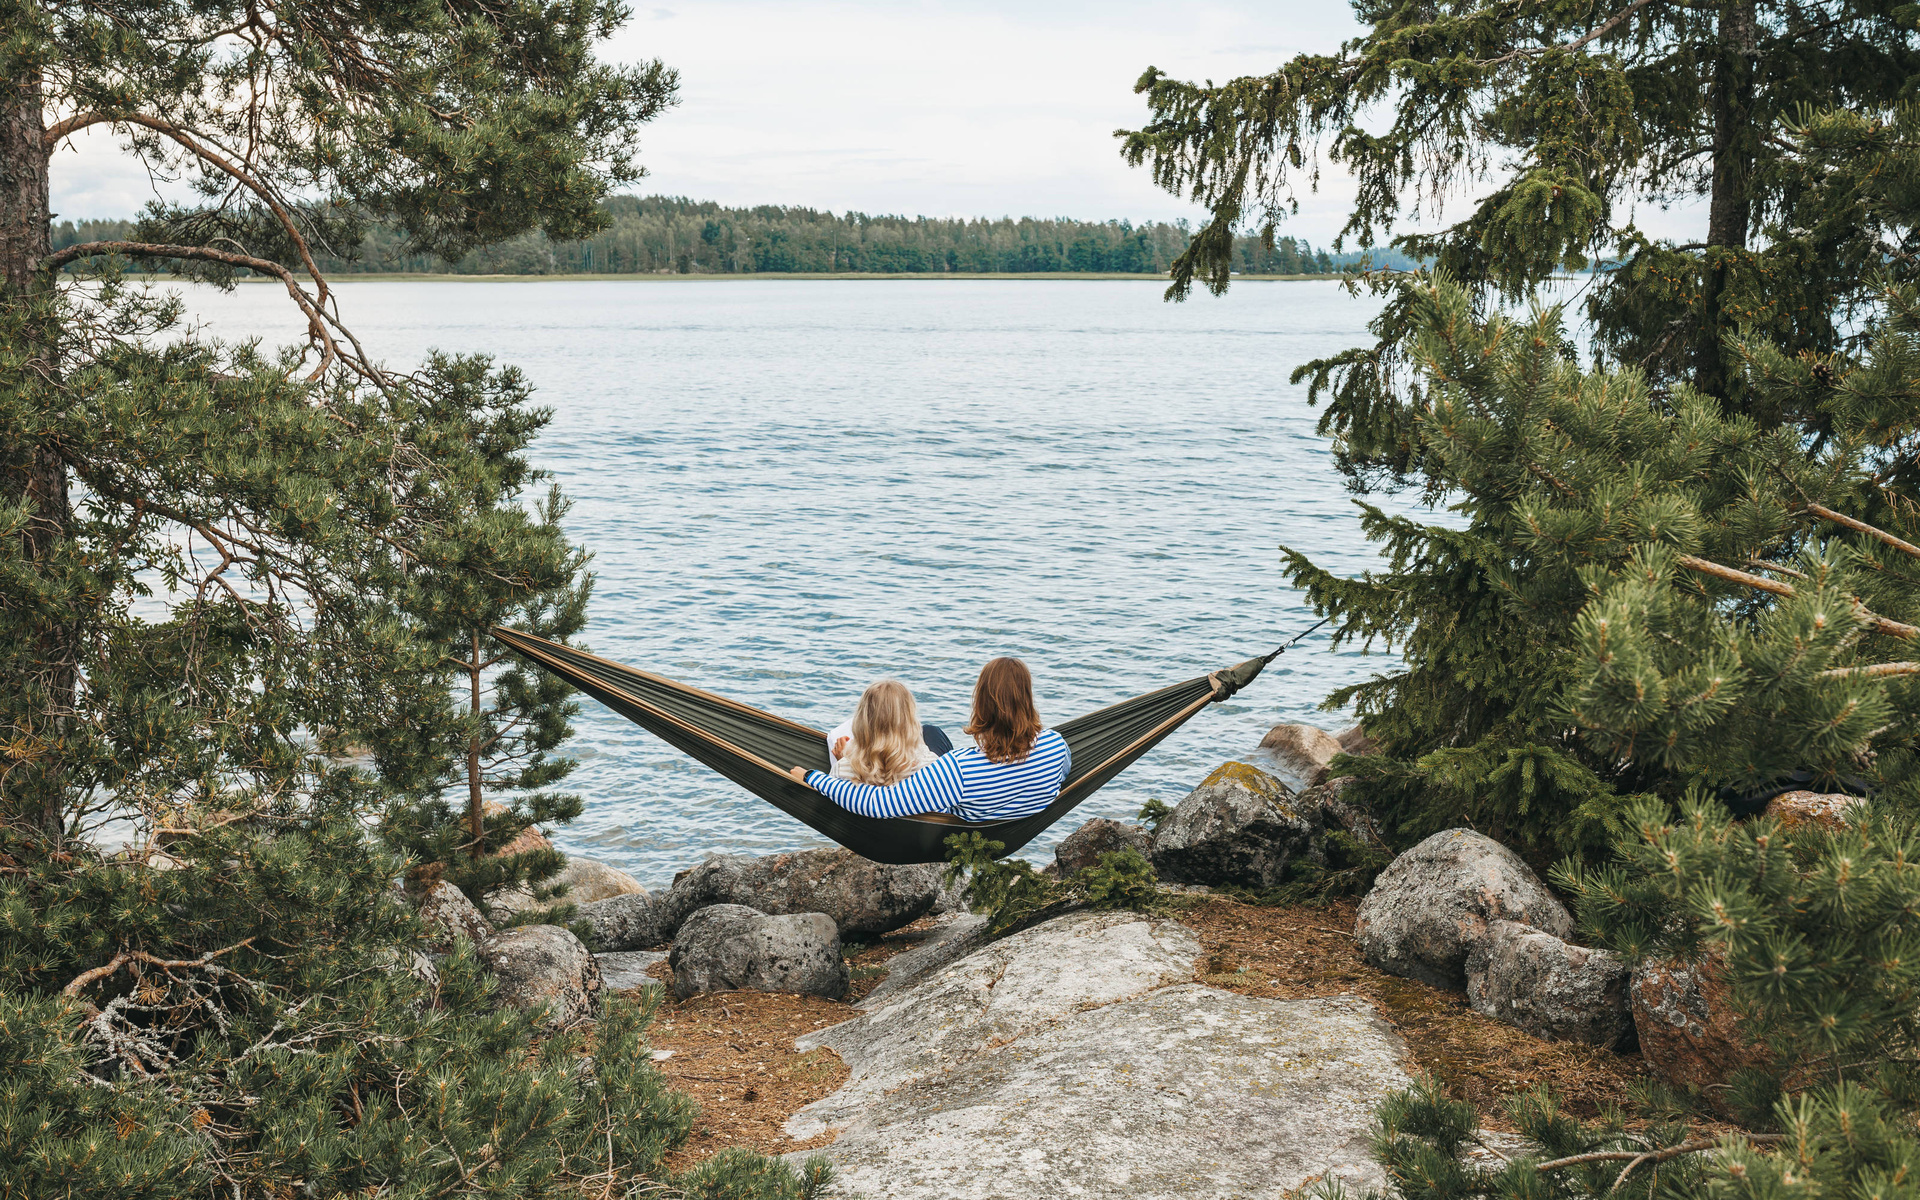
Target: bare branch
(1858, 526)
(1877, 623)
(1875, 671)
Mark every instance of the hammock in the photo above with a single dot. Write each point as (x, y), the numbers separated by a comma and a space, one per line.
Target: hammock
(755, 748)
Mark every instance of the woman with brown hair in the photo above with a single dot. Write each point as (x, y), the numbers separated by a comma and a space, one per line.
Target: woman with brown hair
(1014, 768)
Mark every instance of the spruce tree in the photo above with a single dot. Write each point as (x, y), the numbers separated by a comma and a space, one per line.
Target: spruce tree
(1567, 116)
(1562, 121)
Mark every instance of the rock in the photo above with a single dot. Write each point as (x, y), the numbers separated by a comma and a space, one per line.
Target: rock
(1075, 1059)
(1083, 847)
(730, 947)
(1326, 805)
(949, 943)
(1356, 742)
(636, 921)
(1689, 1033)
(1432, 904)
(625, 969)
(586, 881)
(543, 965)
(527, 839)
(447, 913)
(1563, 993)
(1301, 752)
(861, 896)
(1240, 826)
(1825, 810)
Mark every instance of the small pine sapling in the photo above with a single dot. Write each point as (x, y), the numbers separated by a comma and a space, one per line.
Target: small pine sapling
(1012, 895)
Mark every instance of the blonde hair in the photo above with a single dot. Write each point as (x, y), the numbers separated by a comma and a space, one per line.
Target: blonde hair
(886, 735)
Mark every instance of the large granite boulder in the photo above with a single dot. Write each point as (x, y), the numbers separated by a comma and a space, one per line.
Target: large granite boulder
(860, 895)
(1300, 753)
(1689, 1033)
(1240, 826)
(534, 965)
(730, 947)
(637, 921)
(1083, 847)
(447, 914)
(586, 881)
(1550, 988)
(1076, 1058)
(1433, 904)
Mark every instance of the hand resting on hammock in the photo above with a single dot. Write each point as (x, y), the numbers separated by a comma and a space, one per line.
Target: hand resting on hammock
(963, 783)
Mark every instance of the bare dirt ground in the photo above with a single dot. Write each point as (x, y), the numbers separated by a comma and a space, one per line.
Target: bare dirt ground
(734, 1051)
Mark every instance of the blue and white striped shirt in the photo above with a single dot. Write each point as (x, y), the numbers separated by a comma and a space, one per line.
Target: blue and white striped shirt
(963, 783)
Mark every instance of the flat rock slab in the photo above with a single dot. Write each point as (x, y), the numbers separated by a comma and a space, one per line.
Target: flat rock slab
(623, 969)
(1074, 1059)
(1013, 986)
(1187, 1091)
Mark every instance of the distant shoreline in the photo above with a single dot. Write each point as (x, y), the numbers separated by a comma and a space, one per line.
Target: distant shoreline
(903, 276)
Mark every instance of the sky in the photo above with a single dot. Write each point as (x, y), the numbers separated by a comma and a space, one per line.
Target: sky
(938, 109)
(986, 109)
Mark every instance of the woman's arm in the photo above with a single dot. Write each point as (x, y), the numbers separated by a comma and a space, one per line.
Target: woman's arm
(934, 788)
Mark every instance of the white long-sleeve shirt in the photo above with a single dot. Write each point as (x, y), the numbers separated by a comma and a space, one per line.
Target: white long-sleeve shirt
(963, 783)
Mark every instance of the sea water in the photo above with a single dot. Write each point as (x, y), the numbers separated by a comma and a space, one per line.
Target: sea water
(792, 488)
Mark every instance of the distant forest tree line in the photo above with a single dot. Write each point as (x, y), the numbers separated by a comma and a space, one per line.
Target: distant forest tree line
(667, 235)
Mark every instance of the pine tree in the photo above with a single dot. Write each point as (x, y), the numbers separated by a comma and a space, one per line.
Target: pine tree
(506, 721)
(218, 572)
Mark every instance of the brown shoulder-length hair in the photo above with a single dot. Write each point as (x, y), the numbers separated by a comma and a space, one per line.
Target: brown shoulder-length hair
(1005, 720)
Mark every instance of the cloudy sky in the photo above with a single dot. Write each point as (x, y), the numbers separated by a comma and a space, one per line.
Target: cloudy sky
(991, 108)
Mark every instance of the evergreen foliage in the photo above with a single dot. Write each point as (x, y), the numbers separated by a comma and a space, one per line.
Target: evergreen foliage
(1562, 120)
(1012, 895)
(235, 590)
(1589, 588)
(508, 567)
(272, 1033)
(1815, 929)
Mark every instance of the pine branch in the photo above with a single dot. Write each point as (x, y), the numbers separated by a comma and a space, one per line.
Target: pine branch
(1877, 623)
(1876, 671)
(1859, 526)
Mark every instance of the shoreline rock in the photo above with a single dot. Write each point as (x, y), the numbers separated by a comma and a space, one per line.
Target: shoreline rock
(1553, 990)
(1434, 903)
(1241, 826)
(730, 947)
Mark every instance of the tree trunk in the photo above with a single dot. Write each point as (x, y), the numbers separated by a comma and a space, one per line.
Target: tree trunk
(1730, 211)
(29, 469)
(476, 796)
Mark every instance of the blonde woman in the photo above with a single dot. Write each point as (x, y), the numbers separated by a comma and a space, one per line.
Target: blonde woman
(1015, 766)
(885, 741)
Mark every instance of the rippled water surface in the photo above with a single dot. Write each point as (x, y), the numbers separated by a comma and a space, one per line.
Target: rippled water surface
(794, 487)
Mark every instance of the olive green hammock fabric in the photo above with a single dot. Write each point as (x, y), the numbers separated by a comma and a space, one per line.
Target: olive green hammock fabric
(755, 748)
